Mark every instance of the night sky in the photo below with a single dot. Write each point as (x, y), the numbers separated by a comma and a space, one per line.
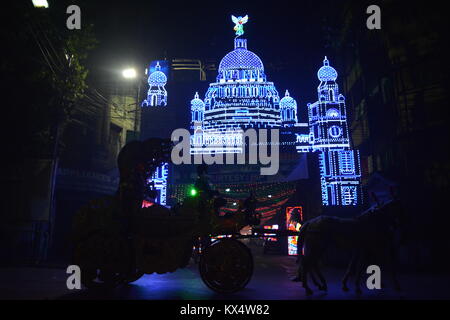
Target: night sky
(288, 37)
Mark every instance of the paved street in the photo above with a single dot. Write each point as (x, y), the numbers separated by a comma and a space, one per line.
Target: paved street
(270, 281)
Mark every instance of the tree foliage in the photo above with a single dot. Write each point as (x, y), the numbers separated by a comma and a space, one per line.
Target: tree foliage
(45, 75)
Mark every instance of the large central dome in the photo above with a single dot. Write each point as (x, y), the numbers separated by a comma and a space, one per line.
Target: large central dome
(241, 65)
(241, 58)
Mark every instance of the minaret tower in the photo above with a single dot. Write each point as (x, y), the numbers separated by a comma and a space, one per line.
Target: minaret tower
(197, 109)
(340, 171)
(157, 94)
(327, 116)
(288, 110)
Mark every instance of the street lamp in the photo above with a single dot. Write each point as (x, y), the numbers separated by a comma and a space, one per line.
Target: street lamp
(40, 3)
(129, 73)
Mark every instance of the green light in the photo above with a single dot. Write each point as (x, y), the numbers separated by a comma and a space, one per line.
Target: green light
(193, 192)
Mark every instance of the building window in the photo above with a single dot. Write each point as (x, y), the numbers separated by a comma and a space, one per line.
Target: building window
(333, 113)
(346, 162)
(331, 94)
(348, 195)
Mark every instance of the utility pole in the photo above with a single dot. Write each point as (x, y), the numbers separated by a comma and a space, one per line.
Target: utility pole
(137, 116)
(131, 74)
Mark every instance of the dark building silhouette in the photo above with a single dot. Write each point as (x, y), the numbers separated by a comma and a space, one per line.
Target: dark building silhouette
(395, 81)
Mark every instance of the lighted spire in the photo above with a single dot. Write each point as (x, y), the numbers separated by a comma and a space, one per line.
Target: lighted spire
(157, 94)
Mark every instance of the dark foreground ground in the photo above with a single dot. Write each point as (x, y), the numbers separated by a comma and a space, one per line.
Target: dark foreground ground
(271, 281)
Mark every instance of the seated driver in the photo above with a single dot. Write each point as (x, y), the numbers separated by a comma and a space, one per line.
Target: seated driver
(206, 192)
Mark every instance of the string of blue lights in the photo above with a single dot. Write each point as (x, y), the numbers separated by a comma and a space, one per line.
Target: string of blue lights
(242, 98)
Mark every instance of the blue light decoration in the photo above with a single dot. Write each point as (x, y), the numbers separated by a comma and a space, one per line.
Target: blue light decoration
(157, 94)
(288, 110)
(157, 97)
(159, 182)
(241, 98)
(197, 109)
(339, 165)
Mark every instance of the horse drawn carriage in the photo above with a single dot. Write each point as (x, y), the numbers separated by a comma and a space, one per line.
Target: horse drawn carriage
(117, 240)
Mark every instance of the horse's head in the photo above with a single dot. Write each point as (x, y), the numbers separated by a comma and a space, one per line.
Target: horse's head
(391, 212)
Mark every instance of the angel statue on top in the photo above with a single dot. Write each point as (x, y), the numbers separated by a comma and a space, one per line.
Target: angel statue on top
(239, 24)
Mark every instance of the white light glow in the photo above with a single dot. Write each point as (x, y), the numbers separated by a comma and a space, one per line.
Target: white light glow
(40, 3)
(129, 73)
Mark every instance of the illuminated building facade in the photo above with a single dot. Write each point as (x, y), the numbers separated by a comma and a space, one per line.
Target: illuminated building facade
(241, 98)
(159, 183)
(339, 165)
(157, 97)
(157, 93)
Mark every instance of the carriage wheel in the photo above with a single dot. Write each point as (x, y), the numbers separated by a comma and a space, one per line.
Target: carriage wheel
(104, 261)
(226, 266)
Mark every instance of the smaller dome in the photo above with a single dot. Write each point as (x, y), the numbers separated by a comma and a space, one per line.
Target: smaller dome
(327, 73)
(288, 101)
(197, 103)
(157, 78)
